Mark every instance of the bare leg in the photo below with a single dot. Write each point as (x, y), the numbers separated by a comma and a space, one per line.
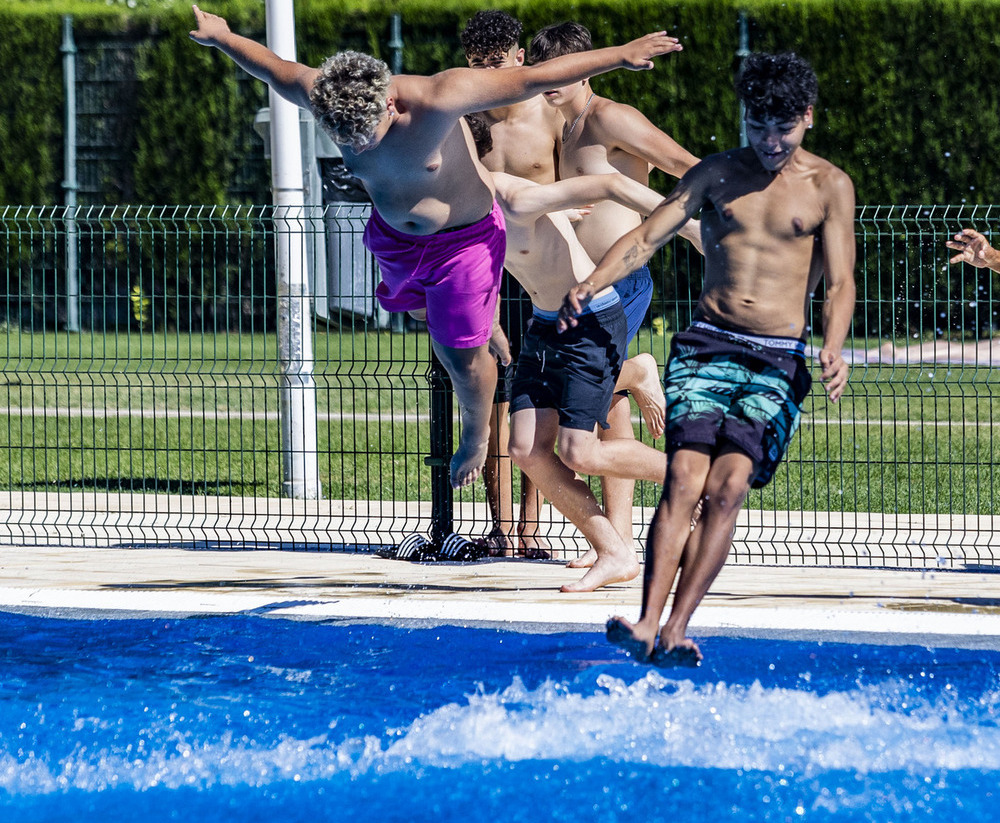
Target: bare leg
(530, 542)
(616, 457)
(498, 477)
(533, 437)
(640, 375)
(473, 374)
(886, 352)
(668, 535)
(725, 492)
(948, 352)
(617, 492)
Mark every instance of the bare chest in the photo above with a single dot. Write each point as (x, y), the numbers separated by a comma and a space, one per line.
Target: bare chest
(782, 213)
(523, 149)
(392, 167)
(546, 258)
(586, 156)
(420, 184)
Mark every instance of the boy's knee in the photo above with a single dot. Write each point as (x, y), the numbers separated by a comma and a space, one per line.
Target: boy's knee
(521, 454)
(578, 454)
(728, 492)
(685, 479)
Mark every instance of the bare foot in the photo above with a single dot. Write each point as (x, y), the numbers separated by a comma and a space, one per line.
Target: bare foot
(648, 393)
(467, 462)
(608, 569)
(584, 561)
(624, 635)
(496, 543)
(534, 547)
(684, 653)
(674, 649)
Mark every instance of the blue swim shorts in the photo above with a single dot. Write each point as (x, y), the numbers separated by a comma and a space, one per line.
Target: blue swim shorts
(636, 293)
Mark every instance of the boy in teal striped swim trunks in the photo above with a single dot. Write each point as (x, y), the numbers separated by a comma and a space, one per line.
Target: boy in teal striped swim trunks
(735, 381)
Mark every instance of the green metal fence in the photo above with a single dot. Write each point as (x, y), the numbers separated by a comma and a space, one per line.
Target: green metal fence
(160, 420)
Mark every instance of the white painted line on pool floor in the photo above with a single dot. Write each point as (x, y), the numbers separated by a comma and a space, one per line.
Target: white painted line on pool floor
(841, 621)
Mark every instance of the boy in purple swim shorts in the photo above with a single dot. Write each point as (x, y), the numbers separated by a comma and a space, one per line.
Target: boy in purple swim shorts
(453, 274)
(403, 137)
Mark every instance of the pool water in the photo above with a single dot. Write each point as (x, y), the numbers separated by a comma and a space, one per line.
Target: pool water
(253, 718)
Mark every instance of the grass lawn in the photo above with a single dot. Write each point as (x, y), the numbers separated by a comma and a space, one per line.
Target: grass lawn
(198, 414)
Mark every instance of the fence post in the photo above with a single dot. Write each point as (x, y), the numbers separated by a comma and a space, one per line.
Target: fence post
(442, 434)
(295, 355)
(70, 184)
(396, 44)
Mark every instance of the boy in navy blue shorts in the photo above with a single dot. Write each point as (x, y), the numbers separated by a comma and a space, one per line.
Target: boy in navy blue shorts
(603, 135)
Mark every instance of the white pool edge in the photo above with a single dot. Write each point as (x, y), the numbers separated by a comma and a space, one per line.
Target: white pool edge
(928, 626)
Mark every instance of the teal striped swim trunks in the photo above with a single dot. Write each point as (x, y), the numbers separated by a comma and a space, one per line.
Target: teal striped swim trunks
(730, 387)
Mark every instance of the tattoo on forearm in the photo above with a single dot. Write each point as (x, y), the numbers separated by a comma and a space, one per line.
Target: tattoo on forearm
(630, 257)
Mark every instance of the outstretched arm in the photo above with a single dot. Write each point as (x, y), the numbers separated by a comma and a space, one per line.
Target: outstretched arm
(973, 248)
(531, 200)
(841, 292)
(628, 129)
(293, 81)
(636, 247)
(460, 91)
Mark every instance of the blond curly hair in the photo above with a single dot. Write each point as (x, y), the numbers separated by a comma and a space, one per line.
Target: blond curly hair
(349, 97)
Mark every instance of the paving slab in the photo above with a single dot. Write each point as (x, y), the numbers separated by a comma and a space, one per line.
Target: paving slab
(932, 608)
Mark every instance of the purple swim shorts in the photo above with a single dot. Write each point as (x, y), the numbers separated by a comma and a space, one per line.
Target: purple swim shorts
(454, 274)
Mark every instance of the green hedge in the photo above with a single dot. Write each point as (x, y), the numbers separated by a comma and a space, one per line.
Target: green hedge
(31, 100)
(907, 105)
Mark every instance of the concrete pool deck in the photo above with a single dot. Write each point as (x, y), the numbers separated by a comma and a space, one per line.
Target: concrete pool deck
(939, 608)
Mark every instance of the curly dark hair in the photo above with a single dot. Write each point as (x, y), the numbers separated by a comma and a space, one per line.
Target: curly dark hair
(776, 86)
(490, 34)
(557, 40)
(481, 134)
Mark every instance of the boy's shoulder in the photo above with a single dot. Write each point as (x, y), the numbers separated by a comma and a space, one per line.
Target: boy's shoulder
(826, 175)
(615, 119)
(731, 161)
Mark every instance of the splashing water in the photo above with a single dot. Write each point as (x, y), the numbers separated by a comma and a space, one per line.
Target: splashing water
(198, 716)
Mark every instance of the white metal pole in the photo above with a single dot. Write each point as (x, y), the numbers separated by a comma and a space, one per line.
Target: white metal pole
(295, 353)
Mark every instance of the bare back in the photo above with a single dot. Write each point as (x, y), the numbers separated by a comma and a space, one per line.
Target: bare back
(759, 231)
